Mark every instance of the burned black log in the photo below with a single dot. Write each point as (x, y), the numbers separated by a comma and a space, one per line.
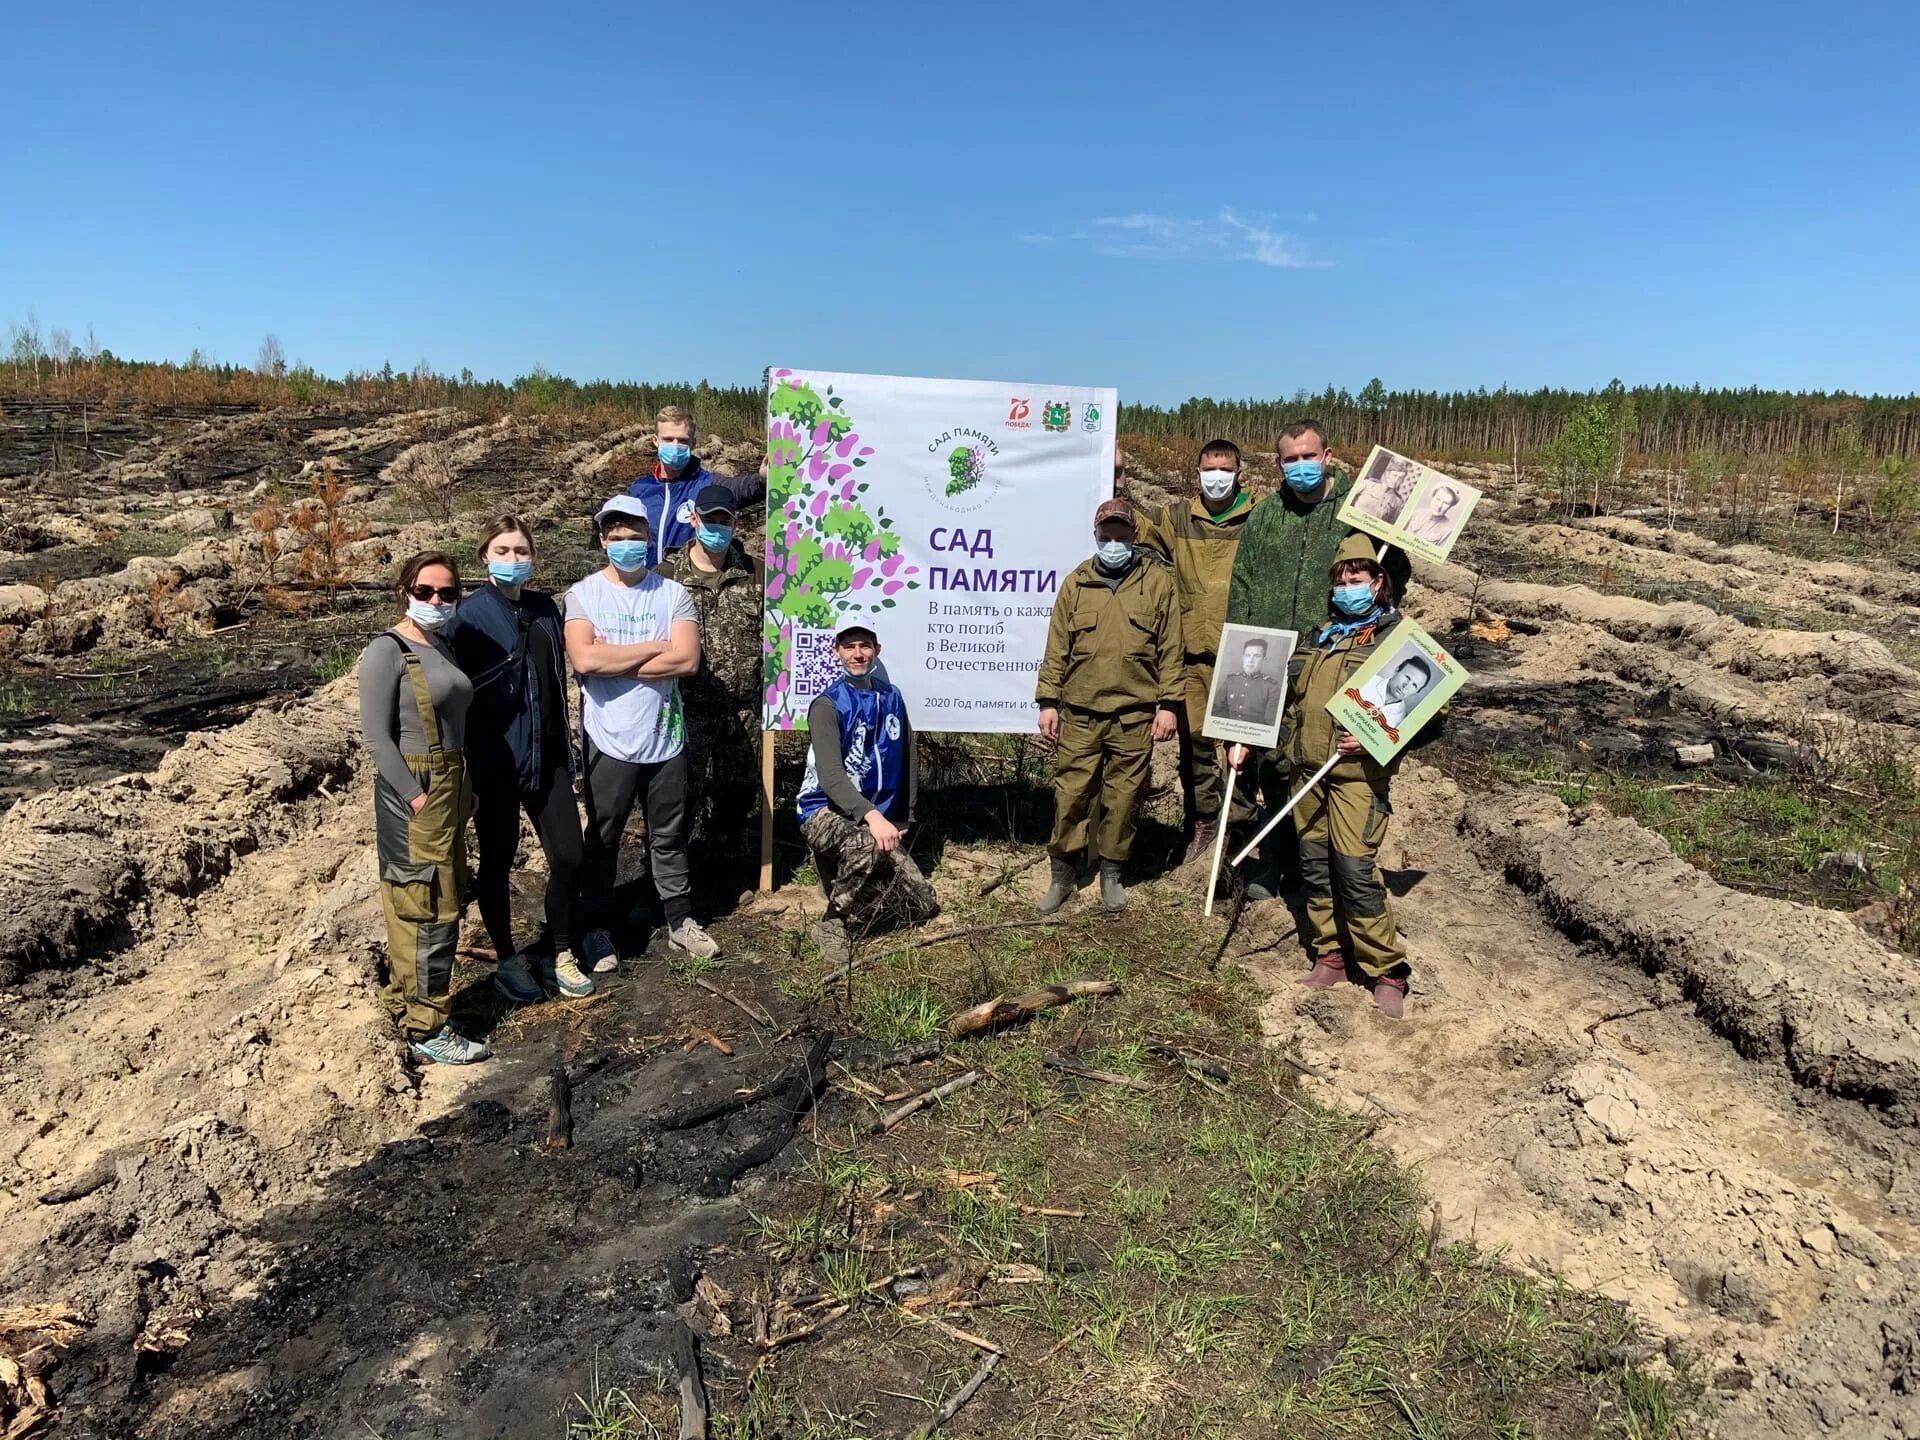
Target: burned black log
(808, 1079)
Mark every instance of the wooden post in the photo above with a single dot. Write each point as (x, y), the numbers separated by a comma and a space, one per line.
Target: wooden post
(1220, 840)
(1287, 808)
(766, 812)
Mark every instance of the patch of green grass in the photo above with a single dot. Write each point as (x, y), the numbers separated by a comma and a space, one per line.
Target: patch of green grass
(795, 1236)
(611, 1414)
(1140, 1202)
(1187, 1261)
(845, 1277)
(15, 700)
(901, 1013)
(1770, 832)
(687, 967)
(336, 660)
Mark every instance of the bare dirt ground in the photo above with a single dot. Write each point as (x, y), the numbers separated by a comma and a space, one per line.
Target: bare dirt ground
(1696, 1100)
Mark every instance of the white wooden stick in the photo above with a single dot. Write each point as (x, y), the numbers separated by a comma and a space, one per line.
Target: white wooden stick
(1287, 809)
(1380, 555)
(1220, 840)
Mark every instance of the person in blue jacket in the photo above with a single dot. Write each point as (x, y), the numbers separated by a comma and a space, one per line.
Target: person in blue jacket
(508, 639)
(668, 491)
(856, 801)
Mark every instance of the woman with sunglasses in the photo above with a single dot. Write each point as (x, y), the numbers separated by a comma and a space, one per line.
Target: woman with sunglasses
(508, 639)
(413, 716)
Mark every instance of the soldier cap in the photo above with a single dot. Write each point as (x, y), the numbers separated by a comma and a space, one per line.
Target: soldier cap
(1356, 546)
(1115, 509)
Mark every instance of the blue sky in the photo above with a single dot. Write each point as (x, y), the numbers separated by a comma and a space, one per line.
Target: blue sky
(1176, 200)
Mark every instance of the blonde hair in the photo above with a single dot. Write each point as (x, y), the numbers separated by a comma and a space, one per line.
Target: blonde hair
(678, 414)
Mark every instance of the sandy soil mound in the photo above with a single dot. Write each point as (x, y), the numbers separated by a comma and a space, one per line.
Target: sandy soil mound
(1567, 1104)
(84, 864)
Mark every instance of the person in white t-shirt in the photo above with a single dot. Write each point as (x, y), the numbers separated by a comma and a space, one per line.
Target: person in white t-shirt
(631, 635)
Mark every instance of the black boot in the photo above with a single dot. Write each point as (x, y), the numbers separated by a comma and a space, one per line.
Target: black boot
(1061, 889)
(1113, 895)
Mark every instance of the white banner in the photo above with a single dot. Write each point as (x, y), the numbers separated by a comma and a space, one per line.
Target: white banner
(944, 514)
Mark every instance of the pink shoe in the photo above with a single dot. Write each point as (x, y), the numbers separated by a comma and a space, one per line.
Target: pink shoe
(1328, 971)
(1390, 997)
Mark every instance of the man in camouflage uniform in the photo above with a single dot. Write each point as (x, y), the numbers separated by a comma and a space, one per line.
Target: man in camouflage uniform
(1109, 687)
(1198, 538)
(722, 701)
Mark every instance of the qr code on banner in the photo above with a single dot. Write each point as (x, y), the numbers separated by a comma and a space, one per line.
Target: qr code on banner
(814, 667)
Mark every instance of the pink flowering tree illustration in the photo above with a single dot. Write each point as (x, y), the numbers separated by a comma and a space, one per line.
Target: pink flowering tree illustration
(831, 554)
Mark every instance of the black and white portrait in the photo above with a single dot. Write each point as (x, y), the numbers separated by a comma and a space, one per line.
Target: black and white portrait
(1385, 486)
(1249, 685)
(1398, 687)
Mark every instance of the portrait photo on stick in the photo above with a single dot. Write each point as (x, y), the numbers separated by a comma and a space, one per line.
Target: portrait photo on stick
(1409, 505)
(1249, 685)
(1410, 677)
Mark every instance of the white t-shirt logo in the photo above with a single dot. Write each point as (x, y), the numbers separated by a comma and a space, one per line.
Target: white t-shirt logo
(893, 727)
(685, 513)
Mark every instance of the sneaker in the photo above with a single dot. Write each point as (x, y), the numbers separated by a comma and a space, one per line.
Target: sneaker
(569, 979)
(513, 978)
(597, 951)
(688, 936)
(449, 1047)
(830, 937)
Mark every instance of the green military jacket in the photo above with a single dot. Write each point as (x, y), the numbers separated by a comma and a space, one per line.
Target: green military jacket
(1315, 677)
(1114, 647)
(1286, 549)
(729, 602)
(1250, 699)
(1200, 546)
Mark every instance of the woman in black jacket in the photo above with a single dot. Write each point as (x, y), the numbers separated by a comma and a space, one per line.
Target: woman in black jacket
(508, 640)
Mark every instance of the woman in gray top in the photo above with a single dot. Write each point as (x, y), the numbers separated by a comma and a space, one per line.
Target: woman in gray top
(413, 716)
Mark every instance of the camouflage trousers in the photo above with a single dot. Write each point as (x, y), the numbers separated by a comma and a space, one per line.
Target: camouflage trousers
(723, 751)
(866, 889)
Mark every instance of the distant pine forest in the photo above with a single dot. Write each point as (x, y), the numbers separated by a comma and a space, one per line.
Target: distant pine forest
(1657, 420)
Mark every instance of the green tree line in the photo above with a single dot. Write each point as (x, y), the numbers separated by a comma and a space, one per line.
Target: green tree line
(1667, 419)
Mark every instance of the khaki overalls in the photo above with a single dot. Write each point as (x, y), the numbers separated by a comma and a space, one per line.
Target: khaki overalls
(423, 870)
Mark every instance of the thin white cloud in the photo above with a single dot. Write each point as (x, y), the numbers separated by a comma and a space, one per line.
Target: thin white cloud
(1037, 239)
(1227, 236)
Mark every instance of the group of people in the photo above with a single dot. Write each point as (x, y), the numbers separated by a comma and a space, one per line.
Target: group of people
(464, 709)
(1130, 662)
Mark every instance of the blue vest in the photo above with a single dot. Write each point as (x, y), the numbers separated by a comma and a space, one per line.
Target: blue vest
(873, 743)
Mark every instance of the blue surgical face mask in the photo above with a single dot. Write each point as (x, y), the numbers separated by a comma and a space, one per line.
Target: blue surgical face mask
(509, 572)
(1304, 476)
(1353, 600)
(674, 453)
(627, 556)
(1114, 554)
(715, 537)
(428, 615)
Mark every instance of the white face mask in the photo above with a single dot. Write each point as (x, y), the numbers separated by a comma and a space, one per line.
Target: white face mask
(1219, 484)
